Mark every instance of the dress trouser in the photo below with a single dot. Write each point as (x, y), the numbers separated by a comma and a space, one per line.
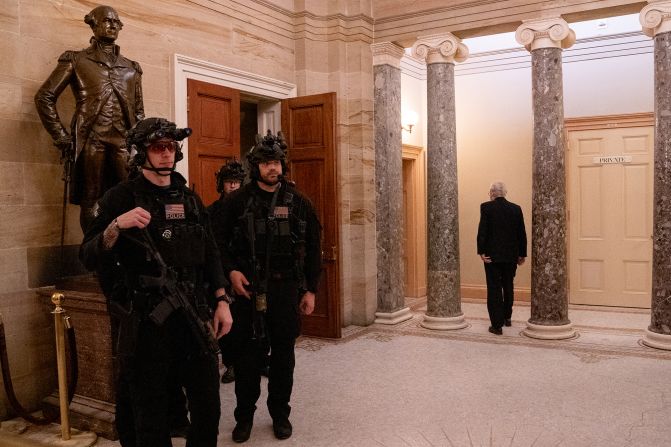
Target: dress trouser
(144, 387)
(102, 163)
(500, 299)
(283, 324)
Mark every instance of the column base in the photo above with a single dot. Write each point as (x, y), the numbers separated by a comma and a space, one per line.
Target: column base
(393, 317)
(655, 340)
(543, 332)
(444, 323)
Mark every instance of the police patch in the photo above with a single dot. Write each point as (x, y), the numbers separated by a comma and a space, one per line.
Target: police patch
(174, 211)
(281, 212)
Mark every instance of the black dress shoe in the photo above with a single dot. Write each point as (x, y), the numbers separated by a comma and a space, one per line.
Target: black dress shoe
(496, 330)
(282, 428)
(242, 431)
(508, 323)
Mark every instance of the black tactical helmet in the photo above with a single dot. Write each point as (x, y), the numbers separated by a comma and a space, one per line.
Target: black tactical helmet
(267, 148)
(232, 171)
(148, 130)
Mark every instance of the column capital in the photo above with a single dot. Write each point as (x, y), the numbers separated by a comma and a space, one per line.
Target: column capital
(545, 33)
(440, 48)
(655, 18)
(387, 53)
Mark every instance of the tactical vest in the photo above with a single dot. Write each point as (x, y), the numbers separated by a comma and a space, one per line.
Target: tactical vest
(285, 230)
(175, 227)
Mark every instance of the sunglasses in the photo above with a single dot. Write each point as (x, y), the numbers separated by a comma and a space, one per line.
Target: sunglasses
(159, 148)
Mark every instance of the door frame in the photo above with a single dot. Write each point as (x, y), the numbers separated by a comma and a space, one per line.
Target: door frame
(417, 227)
(185, 67)
(644, 119)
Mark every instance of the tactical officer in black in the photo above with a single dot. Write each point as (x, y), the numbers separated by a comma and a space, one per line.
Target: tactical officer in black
(154, 234)
(274, 264)
(229, 178)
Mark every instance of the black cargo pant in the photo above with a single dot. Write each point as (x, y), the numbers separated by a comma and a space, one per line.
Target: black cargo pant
(500, 299)
(144, 386)
(283, 324)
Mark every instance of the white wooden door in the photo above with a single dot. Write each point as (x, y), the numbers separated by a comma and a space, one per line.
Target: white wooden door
(610, 216)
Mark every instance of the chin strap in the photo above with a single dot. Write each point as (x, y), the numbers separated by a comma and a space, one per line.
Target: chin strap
(160, 171)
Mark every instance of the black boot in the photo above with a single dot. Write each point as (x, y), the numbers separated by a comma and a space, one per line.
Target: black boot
(242, 431)
(282, 428)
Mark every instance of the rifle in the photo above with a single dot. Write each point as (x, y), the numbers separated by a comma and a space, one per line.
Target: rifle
(68, 160)
(174, 296)
(257, 290)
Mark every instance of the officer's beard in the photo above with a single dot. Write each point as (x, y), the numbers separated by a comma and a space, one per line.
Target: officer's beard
(273, 182)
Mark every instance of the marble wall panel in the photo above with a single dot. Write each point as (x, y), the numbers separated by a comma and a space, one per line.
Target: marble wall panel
(156, 83)
(10, 49)
(14, 270)
(253, 46)
(43, 184)
(25, 141)
(37, 19)
(10, 99)
(157, 108)
(9, 16)
(11, 184)
(29, 226)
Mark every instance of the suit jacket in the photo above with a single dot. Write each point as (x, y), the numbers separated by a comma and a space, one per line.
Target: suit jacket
(93, 80)
(501, 233)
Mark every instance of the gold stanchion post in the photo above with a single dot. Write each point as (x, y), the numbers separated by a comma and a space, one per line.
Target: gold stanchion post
(57, 299)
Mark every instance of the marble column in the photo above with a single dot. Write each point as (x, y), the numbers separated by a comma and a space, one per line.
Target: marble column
(443, 285)
(656, 21)
(391, 307)
(549, 268)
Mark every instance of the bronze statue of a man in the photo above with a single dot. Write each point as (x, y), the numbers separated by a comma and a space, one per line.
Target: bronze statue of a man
(108, 91)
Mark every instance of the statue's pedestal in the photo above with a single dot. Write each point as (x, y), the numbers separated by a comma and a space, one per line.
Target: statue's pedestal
(93, 405)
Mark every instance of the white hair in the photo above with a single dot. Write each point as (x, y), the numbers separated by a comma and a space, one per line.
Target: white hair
(498, 189)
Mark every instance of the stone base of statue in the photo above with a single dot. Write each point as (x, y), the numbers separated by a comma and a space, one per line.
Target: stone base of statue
(93, 405)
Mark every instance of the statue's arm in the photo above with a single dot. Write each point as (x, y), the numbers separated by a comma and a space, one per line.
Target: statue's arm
(139, 103)
(46, 96)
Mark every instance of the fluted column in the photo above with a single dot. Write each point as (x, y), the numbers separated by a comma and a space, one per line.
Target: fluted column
(656, 21)
(549, 268)
(443, 292)
(391, 307)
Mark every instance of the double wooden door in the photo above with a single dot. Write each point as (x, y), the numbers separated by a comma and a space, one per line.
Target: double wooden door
(309, 127)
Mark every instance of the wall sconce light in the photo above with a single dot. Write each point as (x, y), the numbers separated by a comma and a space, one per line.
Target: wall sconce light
(409, 119)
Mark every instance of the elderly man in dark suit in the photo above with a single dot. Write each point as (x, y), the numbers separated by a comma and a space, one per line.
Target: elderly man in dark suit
(502, 246)
(108, 91)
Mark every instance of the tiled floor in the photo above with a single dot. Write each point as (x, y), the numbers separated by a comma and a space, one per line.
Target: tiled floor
(404, 385)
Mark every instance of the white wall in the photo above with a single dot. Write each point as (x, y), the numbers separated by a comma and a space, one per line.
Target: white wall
(603, 75)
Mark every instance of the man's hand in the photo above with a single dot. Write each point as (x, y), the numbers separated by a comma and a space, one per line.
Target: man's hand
(486, 259)
(137, 217)
(223, 321)
(520, 260)
(307, 304)
(239, 281)
(63, 143)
